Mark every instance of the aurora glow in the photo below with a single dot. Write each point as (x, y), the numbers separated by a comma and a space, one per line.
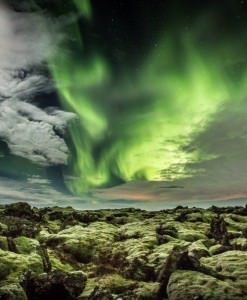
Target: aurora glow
(139, 126)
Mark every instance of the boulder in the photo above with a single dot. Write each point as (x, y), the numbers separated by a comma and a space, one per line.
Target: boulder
(57, 285)
(18, 264)
(12, 291)
(188, 285)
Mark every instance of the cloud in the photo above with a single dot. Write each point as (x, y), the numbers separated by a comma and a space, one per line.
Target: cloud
(26, 38)
(23, 84)
(38, 192)
(34, 134)
(221, 169)
(225, 141)
(27, 41)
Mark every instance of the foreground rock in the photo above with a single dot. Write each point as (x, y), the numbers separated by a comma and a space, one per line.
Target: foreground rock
(55, 285)
(196, 285)
(61, 253)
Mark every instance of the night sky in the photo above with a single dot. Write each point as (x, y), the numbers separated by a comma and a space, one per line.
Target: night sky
(123, 103)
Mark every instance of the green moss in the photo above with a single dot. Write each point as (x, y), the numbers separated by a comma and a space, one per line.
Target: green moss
(57, 264)
(4, 271)
(85, 243)
(229, 263)
(195, 217)
(195, 285)
(3, 243)
(235, 223)
(190, 235)
(18, 264)
(160, 254)
(239, 243)
(131, 256)
(90, 286)
(3, 228)
(147, 291)
(82, 250)
(12, 291)
(116, 283)
(53, 226)
(216, 249)
(25, 245)
(125, 259)
(198, 249)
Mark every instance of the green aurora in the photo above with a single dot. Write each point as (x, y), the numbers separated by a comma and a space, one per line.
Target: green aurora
(137, 127)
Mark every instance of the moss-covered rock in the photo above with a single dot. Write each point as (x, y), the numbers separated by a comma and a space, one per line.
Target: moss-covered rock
(3, 243)
(146, 291)
(12, 291)
(198, 249)
(4, 271)
(159, 256)
(55, 285)
(239, 243)
(3, 228)
(57, 263)
(125, 254)
(25, 245)
(20, 210)
(131, 256)
(217, 249)
(235, 222)
(18, 264)
(84, 243)
(229, 263)
(117, 284)
(190, 235)
(187, 285)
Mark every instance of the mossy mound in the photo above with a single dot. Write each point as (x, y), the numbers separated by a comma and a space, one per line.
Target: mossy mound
(65, 254)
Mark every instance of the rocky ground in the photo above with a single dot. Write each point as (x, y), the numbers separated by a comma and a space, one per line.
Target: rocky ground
(65, 254)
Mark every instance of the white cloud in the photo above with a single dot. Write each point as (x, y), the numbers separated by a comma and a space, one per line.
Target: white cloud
(23, 84)
(32, 133)
(27, 40)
